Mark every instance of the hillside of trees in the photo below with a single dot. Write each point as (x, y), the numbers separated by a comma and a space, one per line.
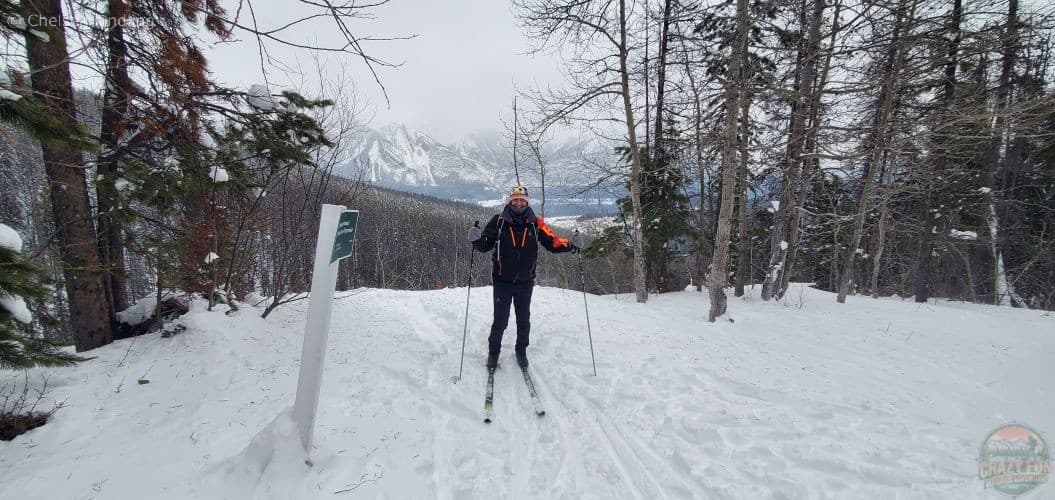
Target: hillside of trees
(881, 148)
(886, 148)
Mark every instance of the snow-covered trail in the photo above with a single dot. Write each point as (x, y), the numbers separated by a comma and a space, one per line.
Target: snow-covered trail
(805, 398)
(789, 401)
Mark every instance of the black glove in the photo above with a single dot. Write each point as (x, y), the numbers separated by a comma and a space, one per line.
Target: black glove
(474, 233)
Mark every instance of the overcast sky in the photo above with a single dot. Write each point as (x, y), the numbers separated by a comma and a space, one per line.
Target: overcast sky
(457, 76)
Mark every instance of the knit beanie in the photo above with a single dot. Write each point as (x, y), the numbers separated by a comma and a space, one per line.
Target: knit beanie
(518, 192)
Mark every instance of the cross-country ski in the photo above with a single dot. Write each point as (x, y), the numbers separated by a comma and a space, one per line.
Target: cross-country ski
(489, 397)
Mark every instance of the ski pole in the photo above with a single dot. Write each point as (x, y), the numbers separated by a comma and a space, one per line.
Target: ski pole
(468, 291)
(582, 274)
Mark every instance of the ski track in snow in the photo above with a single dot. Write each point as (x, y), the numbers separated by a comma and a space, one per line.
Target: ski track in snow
(674, 423)
(800, 399)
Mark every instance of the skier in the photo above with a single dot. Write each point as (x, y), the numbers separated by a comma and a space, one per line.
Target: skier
(515, 235)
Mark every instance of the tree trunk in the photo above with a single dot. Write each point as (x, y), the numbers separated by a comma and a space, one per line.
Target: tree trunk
(968, 271)
(877, 253)
(661, 80)
(658, 272)
(116, 102)
(785, 213)
(810, 163)
(922, 279)
(887, 95)
(640, 289)
(734, 90)
(743, 262)
(833, 265)
(64, 167)
(1003, 291)
(701, 169)
(921, 284)
(879, 245)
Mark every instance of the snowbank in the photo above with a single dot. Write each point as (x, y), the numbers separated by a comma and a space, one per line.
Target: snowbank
(804, 398)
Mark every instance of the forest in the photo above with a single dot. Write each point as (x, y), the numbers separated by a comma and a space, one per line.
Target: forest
(883, 148)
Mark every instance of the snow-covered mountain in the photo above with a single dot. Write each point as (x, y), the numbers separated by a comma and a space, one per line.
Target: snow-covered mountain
(478, 168)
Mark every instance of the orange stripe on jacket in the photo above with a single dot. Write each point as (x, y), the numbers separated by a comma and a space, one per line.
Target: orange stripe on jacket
(558, 242)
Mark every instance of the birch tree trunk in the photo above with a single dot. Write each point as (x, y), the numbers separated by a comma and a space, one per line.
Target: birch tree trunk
(1003, 291)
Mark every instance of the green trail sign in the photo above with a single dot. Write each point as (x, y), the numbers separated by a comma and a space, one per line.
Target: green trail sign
(343, 243)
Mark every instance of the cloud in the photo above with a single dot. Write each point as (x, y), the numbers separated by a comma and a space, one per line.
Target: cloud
(457, 75)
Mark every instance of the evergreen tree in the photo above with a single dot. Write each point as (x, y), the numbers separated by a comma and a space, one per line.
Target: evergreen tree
(20, 280)
(202, 196)
(666, 215)
(20, 345)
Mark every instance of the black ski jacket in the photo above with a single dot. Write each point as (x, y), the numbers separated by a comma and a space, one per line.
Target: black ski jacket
(515, 240)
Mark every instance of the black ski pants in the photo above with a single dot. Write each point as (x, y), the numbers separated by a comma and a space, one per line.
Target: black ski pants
(517, 295)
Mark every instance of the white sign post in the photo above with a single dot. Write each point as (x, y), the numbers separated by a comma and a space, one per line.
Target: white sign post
(336, 235)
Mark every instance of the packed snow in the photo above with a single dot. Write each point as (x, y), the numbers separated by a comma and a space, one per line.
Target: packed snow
(800, 398)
